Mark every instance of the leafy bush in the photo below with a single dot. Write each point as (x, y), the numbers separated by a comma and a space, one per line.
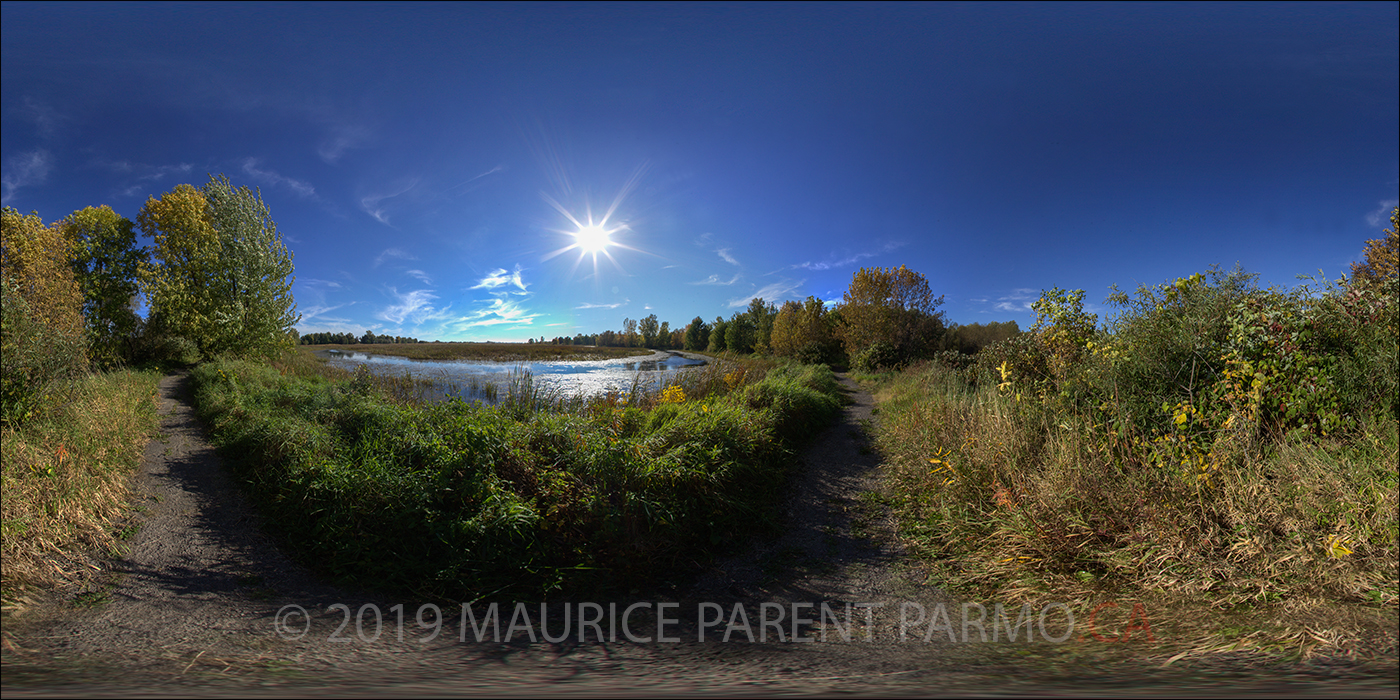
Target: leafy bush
(455, 500)
(35, 357)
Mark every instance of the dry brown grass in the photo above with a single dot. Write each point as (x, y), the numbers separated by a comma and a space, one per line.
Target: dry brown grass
(65, 476)
(1010, 500)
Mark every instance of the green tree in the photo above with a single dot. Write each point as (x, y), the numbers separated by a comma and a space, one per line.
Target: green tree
(221, 275)
(663, 336)
(42, 342)
(761, 316)
(739, 334)
(697, 334)
(718, 333)
(892, 306)
(106, 260)
(648, 328)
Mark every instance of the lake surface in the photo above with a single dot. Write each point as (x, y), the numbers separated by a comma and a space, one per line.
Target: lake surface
(467, 378)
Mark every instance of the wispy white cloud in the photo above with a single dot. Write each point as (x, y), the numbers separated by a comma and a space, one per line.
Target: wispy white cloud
(1017, 301)
(502, 310)
(715, 280)
(1382, 213)
(724, 255)
(419, 275)
(392, 253)
(416, 306)
(311, 281)
(312, 312)
(586, 305)
(46, 119)
(373, 204)
(341, 139)
(833, 263)
(25, 170)
(500, 278)
(302, 189)
(778, 291)
(471, 183)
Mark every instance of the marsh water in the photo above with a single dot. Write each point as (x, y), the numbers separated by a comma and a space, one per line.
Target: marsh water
(475, 379)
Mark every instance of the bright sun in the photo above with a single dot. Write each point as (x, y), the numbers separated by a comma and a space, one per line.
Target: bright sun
(592, 239)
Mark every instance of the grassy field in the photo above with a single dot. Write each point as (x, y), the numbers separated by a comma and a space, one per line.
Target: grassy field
(493, 352)
(65, 474)
(539, 493)
(1226, 455)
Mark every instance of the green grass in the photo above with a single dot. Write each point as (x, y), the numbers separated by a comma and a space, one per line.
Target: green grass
(540, 493)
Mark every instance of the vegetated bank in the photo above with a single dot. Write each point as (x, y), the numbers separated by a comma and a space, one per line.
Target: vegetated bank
(1216, 446)
(485, 352)
(539, 493)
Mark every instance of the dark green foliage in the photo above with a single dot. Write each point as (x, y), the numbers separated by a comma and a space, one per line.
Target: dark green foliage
(457, 501)
(34, 357)
(879, 355)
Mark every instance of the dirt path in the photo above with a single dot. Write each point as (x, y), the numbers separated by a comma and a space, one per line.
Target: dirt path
(192, 609)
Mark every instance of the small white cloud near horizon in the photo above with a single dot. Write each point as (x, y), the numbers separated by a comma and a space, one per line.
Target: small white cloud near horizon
(25, 170)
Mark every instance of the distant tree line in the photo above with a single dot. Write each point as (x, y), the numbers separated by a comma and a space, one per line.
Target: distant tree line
(368, 338)
(888, 317)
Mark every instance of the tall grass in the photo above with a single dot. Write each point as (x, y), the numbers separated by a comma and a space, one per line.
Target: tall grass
(540, 492)
(1183, 452)
(65, 473)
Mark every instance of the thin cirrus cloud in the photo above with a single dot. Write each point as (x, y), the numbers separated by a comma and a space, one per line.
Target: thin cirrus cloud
(500, 277)
(587, 305)
(416, 307)
(341, 140)
(502, 311)
(24, 170)
(389, 253)
(1382, 212)
(373, 204)
(419, 275)
(1017, 301)
(302, 189)
(846, 261)
(775, 292)
(715, 280)
(724, 255)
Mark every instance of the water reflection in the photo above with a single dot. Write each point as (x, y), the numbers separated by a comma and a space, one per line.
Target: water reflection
(477, 380)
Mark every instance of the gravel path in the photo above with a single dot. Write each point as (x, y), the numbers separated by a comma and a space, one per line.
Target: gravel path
(192, 609)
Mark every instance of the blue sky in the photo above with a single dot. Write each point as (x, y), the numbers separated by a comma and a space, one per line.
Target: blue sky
(423, 161)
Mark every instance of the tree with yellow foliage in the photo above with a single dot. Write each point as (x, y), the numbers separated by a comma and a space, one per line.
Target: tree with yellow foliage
(42, 327)
(1382, 255)
(891, 307)
(220, 274)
